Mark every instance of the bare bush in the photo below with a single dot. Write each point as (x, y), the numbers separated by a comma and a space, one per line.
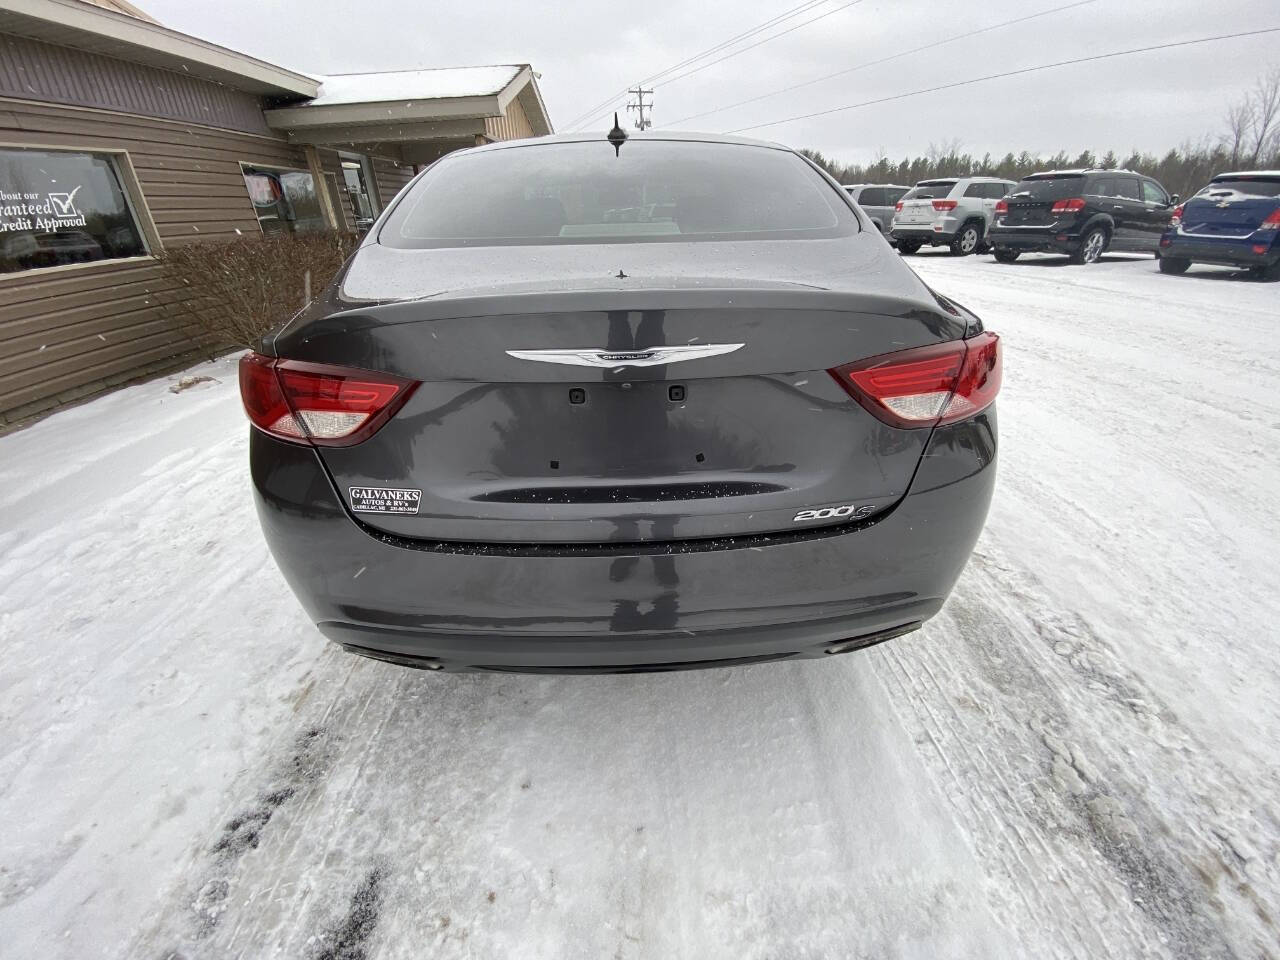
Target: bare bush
(232, 292)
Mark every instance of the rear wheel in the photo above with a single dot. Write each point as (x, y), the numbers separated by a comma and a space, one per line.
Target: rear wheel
(1267, 274)
(966, 240)
(908, 246)
(1174, 265)
(1006, 256)
(1091, 246)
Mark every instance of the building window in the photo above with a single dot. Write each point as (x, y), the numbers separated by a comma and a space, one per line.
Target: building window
(284, 200)
(62, 206)
(357, 176)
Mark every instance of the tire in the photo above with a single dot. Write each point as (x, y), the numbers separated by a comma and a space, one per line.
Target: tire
(908, 247)
(1266, 274)
(1174, 264)
(967, 239)
(1092, 244)
(1006, 256)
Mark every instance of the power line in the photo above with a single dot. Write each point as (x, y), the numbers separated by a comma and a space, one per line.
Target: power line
(1009, 73)
(746, 34)
(775, 36)
(874, 63)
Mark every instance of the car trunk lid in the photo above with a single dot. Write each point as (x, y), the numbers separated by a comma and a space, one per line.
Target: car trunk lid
(609, 438)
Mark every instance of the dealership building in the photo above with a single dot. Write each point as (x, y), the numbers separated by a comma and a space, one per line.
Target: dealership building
(120, 137)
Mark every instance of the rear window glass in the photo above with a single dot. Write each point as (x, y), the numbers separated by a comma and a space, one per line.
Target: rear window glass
(648, 191)
(1048, 188)
(929, 191)
(1254, 186)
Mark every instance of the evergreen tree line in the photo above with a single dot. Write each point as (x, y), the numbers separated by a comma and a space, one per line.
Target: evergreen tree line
(1251, 140)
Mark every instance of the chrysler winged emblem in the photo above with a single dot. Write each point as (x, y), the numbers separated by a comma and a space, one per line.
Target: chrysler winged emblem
(646, 357)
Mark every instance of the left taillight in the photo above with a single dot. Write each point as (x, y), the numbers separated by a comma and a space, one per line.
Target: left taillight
(927, 386)
(318, 403)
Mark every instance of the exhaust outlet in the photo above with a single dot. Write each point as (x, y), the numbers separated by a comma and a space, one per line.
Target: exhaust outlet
(871, 639)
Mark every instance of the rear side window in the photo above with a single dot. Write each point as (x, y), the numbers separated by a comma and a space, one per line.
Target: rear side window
(930, 191)
(1253, 186)
(1153, 192)
(976, 190)
(650, 191)
(1049, 188)
(872, 197)
(892, 195)
(1126, 188)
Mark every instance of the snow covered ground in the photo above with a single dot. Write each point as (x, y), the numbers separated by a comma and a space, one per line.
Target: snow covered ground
(1080, 757)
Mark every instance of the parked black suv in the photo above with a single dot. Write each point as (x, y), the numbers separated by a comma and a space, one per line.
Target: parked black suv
(1081, 213)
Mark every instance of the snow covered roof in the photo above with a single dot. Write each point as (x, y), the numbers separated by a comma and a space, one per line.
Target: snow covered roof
(408, 85)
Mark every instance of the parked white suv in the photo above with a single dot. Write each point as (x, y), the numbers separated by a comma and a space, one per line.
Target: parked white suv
(953, 212)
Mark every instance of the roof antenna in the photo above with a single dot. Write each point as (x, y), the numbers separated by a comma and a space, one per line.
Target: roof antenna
(617, 136)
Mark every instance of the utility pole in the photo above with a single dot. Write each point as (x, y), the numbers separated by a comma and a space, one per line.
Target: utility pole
(643, 122)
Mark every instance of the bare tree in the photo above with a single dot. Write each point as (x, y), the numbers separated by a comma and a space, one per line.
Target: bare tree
(1265, 100)
(1239, 121)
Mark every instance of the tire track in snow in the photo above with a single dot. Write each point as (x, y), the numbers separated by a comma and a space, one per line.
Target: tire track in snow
(1085, 797)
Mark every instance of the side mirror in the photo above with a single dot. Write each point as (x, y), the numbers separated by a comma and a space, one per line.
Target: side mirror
(1174, 200)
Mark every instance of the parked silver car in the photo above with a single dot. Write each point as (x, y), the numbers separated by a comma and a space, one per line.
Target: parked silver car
(877, 201)
(954, 212)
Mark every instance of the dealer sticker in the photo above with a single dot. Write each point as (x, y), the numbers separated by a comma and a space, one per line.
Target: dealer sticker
(384, 500)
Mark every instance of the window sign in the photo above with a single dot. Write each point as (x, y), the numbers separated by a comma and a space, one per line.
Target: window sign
(59, 207)
(285, 201)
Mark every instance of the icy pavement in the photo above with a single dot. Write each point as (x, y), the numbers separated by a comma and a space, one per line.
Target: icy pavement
(1078, 758)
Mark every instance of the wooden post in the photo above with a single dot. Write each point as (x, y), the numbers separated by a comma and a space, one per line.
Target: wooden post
(322, 186)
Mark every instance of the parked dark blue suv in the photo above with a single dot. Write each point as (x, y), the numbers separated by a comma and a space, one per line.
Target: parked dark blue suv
(1234, 222)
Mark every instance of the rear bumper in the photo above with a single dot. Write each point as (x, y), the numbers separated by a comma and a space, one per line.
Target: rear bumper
(925, 233)
(1226, 252)
(621, 607)
(1033, 240)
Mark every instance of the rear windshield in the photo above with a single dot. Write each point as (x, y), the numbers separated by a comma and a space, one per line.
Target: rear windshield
(586, 193)
(1048, 188)
(1254, 186)
(929, 191)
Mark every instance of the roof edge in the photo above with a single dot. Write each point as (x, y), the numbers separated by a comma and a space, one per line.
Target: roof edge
(71, 22)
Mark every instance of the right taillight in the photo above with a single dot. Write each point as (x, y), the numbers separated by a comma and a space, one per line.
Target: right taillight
(1002, 206)
(318, 403)
(1069, 205)
(927, 386)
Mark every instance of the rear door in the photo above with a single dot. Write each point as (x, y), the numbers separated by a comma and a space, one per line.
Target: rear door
(872, 201)
(1120, 197)
(1157, 210)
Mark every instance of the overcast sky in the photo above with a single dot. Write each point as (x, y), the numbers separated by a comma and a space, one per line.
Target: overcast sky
(585, 51)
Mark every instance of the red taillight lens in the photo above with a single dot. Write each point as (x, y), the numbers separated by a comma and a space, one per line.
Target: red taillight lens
(1069, 205)
(945, 204)
(1002, 206)
(1175, 218)
(928, 385)
(1272, 222)
(326, 405)
(898, 205)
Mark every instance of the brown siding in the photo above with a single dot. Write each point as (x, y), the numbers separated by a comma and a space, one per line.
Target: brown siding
(32, 70)
(513, 126)
(68, 332)
(391, 175)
